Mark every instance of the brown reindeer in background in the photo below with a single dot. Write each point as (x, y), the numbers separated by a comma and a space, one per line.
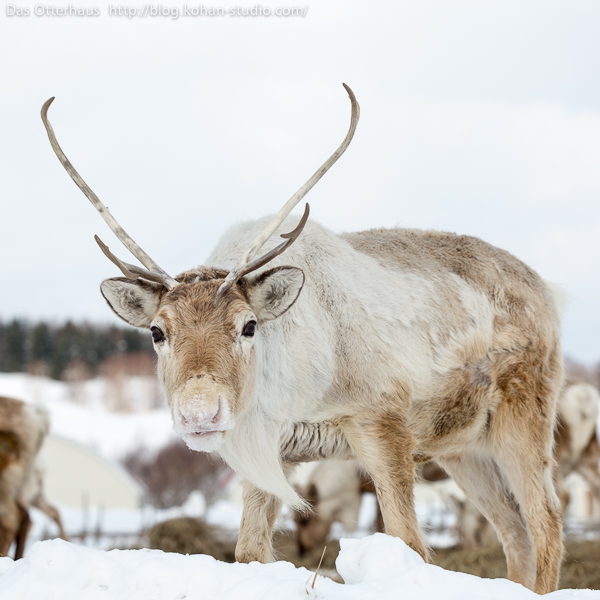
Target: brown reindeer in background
(23, 428)
(334, 491)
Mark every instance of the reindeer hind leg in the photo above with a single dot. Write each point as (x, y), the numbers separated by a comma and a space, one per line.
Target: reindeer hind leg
(526, 460)
(483, 483)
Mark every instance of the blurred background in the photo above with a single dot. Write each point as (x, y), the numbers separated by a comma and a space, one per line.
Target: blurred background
(478, 118)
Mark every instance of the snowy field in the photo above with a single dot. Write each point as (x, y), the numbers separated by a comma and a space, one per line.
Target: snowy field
(377, 566)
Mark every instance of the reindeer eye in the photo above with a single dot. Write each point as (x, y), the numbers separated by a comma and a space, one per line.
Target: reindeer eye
(249, 328)
(157, 335)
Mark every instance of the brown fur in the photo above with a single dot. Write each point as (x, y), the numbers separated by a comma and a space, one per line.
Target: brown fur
(465, 390)
(472, 259)
(21, 440)
(384, 447)
(10, 448)
(21, 443)
(205, 349)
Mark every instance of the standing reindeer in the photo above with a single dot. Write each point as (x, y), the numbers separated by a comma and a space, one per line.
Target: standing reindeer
(577, 448)
(23, 428)
(334, 491)
(403, 346)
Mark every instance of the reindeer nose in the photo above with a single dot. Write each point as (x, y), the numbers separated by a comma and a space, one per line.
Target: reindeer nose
(200, 417)
(201, 406)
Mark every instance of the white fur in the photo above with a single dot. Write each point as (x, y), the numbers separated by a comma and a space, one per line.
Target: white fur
(277, 293)
(201, 413)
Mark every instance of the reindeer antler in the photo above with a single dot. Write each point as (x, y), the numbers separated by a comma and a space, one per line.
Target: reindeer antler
(152, 272)
(245, 265)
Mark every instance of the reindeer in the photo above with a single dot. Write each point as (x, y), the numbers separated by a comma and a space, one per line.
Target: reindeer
(23, 428)
(577, 448)
(390, 346)
(334, 491)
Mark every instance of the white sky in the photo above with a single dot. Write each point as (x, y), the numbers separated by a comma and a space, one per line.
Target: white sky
(476, 117)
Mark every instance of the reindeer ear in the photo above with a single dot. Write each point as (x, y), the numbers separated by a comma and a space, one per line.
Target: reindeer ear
(274, 291)
(135, 301)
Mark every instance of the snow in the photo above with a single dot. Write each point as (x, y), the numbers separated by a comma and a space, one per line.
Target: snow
(378, 567)
(89, 422)
(124, 527)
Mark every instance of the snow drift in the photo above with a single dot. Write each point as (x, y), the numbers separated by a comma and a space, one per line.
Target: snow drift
(378, 567)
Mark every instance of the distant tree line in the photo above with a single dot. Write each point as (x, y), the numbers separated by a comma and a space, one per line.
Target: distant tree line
(49, 348)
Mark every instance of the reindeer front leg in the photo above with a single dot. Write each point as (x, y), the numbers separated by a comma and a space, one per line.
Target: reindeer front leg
(259, 514)
(383, 445)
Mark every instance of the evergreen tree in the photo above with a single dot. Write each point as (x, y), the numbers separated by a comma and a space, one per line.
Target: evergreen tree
(41, 343)
(22, 344)
(15, 338)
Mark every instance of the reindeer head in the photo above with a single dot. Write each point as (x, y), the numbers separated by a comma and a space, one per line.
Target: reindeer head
(204, 322)
(206, 358)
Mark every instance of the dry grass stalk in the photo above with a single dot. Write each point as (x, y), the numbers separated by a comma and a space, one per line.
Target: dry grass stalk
(316, 572)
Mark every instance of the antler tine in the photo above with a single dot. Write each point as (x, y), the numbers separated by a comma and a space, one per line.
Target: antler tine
(245, 261)
(154, 272)
(130, 271)
(263, 260)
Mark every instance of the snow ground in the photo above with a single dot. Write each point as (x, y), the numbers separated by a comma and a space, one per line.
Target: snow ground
(89, 422)
(378, 567)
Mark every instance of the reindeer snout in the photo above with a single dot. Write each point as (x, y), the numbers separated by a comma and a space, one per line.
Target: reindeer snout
(199, 418)
(201, 407)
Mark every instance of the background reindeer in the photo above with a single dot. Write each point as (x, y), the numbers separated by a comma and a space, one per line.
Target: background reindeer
(404, 346)
(335, 490)
(22, 431)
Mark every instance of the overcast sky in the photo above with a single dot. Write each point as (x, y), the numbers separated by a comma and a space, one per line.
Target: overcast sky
(476, 117)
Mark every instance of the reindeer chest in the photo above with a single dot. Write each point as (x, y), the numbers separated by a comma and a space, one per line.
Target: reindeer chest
(305, 442)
